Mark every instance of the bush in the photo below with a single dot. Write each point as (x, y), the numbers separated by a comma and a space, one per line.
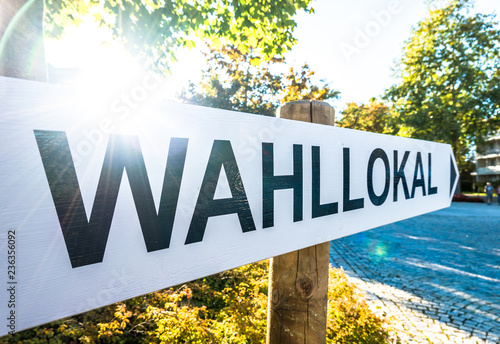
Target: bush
(230, 307)
(465, 198)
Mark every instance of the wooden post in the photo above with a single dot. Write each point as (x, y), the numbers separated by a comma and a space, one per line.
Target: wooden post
(298, 281)
(22, 49)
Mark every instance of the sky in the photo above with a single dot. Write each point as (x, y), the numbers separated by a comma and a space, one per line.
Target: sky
(351, 44)
(354, 44)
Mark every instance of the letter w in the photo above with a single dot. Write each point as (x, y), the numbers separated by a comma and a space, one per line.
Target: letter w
(86, 239)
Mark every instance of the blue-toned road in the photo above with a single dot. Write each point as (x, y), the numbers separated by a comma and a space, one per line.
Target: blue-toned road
(437, 275)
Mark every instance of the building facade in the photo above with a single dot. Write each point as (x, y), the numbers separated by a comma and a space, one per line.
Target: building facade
(488, 161)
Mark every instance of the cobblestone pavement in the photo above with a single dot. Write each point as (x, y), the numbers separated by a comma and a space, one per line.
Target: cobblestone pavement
(437, 275)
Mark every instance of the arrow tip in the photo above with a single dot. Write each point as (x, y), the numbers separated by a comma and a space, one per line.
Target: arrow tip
(453, 174)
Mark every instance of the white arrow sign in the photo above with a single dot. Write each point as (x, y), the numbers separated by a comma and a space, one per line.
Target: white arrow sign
(98, 206)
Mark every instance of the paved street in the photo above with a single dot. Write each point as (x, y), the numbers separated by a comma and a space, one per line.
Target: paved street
(437, 275)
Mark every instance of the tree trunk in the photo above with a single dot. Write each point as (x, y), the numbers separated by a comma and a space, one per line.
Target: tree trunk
(22, 50)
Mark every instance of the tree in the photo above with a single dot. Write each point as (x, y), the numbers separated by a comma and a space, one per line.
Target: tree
(152, 29)
(234, 81)
(299, 86)
(449, 89)
(375, 117)
(238, 81)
